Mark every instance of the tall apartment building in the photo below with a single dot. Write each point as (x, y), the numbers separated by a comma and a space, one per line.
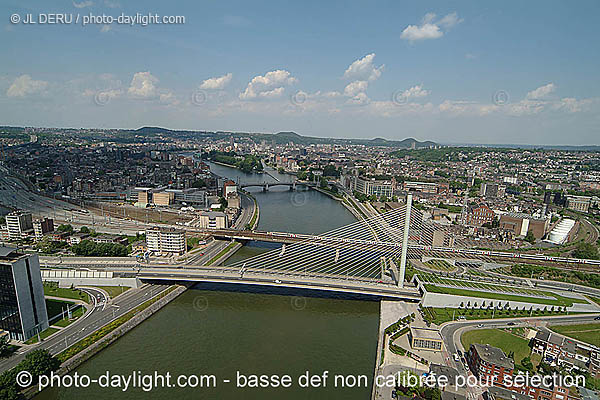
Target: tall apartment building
(370, 186)
(19, 223)
(166, 240)
(42, 226)
(22, 306)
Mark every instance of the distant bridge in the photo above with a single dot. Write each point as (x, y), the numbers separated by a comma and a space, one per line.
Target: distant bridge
(266, 185)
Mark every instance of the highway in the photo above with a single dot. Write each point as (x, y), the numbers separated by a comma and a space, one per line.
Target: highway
(100, 312)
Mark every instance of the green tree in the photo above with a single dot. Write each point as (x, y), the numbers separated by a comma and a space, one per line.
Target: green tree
(4, 347)
(84, 229)
(65, 228)
(330, 170)
(40, 362)
(199, 183)
(529, 237)
(586, 250)
(302, 175)
(8, 385)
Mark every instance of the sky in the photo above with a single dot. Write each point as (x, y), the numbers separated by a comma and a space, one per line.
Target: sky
(516, 72)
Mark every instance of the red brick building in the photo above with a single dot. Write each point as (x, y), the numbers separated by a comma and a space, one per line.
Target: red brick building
(480, 215)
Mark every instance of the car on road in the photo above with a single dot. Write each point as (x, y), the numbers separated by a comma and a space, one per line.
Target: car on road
(480, 325)
(511, 324)
(597, 318)
(277, 281)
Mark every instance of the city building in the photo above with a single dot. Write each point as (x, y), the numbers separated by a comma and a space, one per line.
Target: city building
(579, 203)
(22, 306)
(489, 363)
(166, 240)
(190, 196)
(214, 220)
(163, 198)
(229, 189)
(372, 186)
(426, 187)
(425, 339)
(19, 224)
(492, 190)
(42, 226)
(500, 393)
(519, 224)
(480, 215)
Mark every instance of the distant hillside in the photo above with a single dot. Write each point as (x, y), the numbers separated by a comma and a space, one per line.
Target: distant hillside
(288, 137)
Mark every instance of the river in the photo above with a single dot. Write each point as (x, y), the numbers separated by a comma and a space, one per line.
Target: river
(219, 330)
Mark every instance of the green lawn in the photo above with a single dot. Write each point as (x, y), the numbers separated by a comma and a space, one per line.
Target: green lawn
(43, 335)
(440, 315)
(497, 338)
(439, 265)
(55, 307)
(594, 299)
(556, 301)
(66, 321)
(66, 293)
(114, 291)
(589, 333)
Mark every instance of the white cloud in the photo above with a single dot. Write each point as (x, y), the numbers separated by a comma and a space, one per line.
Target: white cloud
(450, 21)
(143, 85)
(363, 69)
(426, 31)
(217, 82)
(277, 92)
(571, 105)
(105, 95)
(267, 83)
(353, 88)
(24, 85)
(415, 92)
(429, 28)
(168, 98)
(359, 98)
(83, 4)
(541, 92)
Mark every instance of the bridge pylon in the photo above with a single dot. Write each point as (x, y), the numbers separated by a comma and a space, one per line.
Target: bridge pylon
(405, 241)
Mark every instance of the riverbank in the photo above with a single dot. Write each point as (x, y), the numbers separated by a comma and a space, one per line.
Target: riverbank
(82, 351)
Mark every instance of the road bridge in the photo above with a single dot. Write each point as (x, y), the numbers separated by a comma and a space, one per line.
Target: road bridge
(329, 283)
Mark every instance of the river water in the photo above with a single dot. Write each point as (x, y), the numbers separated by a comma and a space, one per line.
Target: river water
(219, 330)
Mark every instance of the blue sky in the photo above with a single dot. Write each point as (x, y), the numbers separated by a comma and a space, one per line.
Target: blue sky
(453, 72)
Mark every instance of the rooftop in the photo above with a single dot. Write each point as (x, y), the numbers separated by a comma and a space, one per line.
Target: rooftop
(425, 333)
(493, 355)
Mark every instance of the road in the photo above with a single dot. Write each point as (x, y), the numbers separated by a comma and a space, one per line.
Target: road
(101, 312)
